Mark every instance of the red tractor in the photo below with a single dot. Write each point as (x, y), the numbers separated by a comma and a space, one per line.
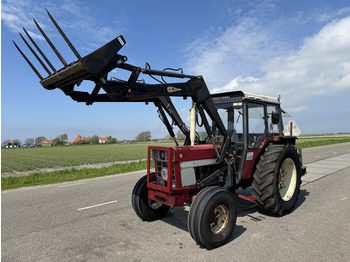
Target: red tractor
(243, 144)
(206, 174)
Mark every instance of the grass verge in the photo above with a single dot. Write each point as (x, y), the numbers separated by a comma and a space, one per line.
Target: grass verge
(312, 142)
(69, 175)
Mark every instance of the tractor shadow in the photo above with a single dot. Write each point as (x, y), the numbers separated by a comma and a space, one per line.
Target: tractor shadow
(256, 214)
(177, 216)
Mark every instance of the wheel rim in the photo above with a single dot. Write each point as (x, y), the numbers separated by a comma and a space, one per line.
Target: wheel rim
(154, 204)
(287, 179)
(219, 219)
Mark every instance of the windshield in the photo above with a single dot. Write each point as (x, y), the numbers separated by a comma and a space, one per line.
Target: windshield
(261, 119)
(256, 124)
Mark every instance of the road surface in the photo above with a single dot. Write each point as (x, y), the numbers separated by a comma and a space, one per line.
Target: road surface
(92, 220)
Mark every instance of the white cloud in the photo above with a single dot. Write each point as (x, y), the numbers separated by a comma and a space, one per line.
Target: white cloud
(16, 14)
(73, 17)
(235, 52)
(250, 58)
(328, 16)
(320, 67)
(249, 82)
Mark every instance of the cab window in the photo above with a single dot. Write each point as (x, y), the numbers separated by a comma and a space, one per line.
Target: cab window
(256, 124)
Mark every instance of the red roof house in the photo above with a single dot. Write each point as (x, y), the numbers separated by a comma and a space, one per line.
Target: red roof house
(77, 139)
(46, 142)
(103, 140)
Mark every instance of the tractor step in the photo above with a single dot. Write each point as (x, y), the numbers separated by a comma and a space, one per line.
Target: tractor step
(248, 198)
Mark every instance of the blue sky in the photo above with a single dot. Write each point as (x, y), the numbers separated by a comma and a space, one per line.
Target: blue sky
(297, 49)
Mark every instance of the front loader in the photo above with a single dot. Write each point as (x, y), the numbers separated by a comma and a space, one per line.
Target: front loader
(243, 145)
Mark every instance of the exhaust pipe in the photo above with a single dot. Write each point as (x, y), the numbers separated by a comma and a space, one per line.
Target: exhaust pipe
(193, 124)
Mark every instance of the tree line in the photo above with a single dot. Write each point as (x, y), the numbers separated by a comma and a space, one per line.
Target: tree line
(60, 140)
(63, 139)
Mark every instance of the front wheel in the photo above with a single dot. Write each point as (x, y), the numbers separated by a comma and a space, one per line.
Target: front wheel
(145, 208)
(212, 217)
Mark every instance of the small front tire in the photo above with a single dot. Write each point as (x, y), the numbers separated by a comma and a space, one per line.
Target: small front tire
(145, 208)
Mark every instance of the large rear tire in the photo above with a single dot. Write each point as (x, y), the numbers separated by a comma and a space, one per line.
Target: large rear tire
(212, 217)
(277, 179)
(145, 208)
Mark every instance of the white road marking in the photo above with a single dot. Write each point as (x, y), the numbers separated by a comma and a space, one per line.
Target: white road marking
(71, 184)
(102, 204)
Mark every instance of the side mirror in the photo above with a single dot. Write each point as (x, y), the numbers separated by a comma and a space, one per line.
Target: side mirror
(275, 118)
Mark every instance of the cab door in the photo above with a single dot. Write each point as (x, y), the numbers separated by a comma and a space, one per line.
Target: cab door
(256, 136)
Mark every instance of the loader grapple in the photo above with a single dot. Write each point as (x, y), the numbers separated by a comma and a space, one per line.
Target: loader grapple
(91, 65)
(87, 67)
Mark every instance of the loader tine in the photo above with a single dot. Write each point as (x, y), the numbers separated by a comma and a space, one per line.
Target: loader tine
(52, 46)
(29, 63)
(41, 52)
(64, 36)
(36, 56)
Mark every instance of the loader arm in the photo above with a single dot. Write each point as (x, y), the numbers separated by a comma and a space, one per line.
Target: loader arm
(159, 94)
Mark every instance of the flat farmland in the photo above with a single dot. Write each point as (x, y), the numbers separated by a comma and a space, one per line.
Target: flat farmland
(321, 140)
(24, 159)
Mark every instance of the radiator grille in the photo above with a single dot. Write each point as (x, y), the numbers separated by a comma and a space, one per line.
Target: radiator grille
(160, 177)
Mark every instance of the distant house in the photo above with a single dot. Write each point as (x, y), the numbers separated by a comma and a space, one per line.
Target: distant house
(46, 142)
(103, 140)
(12, 144)
(78, 139)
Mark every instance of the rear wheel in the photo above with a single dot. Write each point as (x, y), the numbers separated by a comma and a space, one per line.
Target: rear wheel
(212, 217)
(144, 207)
(277, 179)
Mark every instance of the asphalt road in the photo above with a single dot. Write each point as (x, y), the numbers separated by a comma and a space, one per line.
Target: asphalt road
(92, 220)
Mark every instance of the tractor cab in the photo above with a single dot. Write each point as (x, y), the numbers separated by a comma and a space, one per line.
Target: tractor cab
(249, 117)
(252, 120)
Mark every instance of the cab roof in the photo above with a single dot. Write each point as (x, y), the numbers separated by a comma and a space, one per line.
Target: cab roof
(237, 96)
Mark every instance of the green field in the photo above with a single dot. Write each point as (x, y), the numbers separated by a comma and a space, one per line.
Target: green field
(24, 159)
(311, 141)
